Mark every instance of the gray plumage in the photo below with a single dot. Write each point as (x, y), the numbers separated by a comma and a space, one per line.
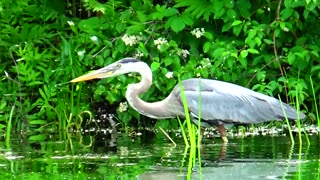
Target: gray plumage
(229, 103)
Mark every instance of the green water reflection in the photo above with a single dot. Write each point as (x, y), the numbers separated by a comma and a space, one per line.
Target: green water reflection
(152, 156)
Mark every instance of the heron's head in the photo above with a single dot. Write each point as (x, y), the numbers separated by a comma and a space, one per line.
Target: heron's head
(122, 66)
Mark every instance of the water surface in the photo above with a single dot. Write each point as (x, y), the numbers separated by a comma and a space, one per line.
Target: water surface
(150, 156)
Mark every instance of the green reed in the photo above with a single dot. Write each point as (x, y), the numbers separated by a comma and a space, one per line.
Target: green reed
(9, 126)
(298, 118)
(315, 102)
(287, 121)
(192, 136)
(191, 133)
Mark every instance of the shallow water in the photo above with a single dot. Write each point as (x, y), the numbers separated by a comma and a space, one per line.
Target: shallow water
(150, 156)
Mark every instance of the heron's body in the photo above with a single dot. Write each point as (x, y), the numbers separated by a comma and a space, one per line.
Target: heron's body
(221, 102)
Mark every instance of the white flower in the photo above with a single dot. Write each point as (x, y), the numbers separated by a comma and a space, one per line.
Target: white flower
(198, 75)
(169, 75)
(205, 63)
(123, 106)
(138, 54)
(130, 40)
(184, 53)
(81, 53)
(198, 32)
(71, 23)
(94, 38)
(160, 41)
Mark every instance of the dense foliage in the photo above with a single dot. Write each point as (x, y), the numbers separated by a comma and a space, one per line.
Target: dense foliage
(269, 46)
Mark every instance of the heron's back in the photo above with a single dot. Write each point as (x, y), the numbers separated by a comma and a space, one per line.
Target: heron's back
(231, 103)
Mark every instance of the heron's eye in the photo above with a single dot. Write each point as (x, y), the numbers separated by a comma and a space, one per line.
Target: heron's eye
(119, 65)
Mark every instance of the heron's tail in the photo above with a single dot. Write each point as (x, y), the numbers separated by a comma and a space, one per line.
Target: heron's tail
(289, 112)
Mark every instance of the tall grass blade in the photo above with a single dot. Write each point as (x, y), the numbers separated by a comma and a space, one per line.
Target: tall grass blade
(187, 115)
(183, 133)
(191, 131)
(287, 121)
(9, 126)
(298, 117)
(315, 102)
(199, 125)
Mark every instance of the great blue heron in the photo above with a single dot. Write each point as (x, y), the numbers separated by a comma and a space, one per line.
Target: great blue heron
(222, 103)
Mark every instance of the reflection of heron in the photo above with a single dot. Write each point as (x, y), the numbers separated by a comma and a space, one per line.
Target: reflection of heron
(221, 102)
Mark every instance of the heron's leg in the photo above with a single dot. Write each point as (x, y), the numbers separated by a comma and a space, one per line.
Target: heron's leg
(223, 133)
(201, 134)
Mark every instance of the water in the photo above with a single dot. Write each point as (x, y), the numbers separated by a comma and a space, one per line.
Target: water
(150, 156)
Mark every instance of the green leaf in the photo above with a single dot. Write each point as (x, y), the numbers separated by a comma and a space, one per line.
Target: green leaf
(315, 53)
(253, 51)
(168, 61)
(143, 49)
(244, 53)
(206, 46)
(282, 79)
(268, 41)
(208, 35)
(237, 29)
(39, 137)
(252, 33)
(250, 42)
(291, 58)
(226, 27)
(100, 90)
(286, 13)
(261, 75)
(38, 122)
(236, 22)
(257, 40)
(218, 9)
(43, 95)
(170, 12)
(155, 66)
(283, 26)
(315, 69)
(231, 14)
(277, 32)
(176, 23)
(243, 62)
(120, 27)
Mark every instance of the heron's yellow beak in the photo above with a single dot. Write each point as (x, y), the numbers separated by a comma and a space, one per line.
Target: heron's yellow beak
(93, 75)
(111, 70)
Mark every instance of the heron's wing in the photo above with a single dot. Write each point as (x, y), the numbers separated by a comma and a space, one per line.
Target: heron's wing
(231, 103)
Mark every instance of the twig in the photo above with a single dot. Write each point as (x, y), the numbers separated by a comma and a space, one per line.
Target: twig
(251, 79)
(98, 52)
(276, 51)
(168, 137)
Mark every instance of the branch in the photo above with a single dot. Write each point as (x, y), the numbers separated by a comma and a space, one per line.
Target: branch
(276, 51)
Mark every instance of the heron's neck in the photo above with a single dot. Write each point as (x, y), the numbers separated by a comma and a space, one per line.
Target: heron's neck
(152, 110)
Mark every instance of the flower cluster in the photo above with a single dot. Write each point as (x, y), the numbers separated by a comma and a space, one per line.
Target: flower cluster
(81, 53)
(71, 23)
(205, 63)
(198, 32)
(130, 40)
(169, 75)
(184, 53)
(160, 41)
(138, 54)
(94, 39)
(123, 106)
